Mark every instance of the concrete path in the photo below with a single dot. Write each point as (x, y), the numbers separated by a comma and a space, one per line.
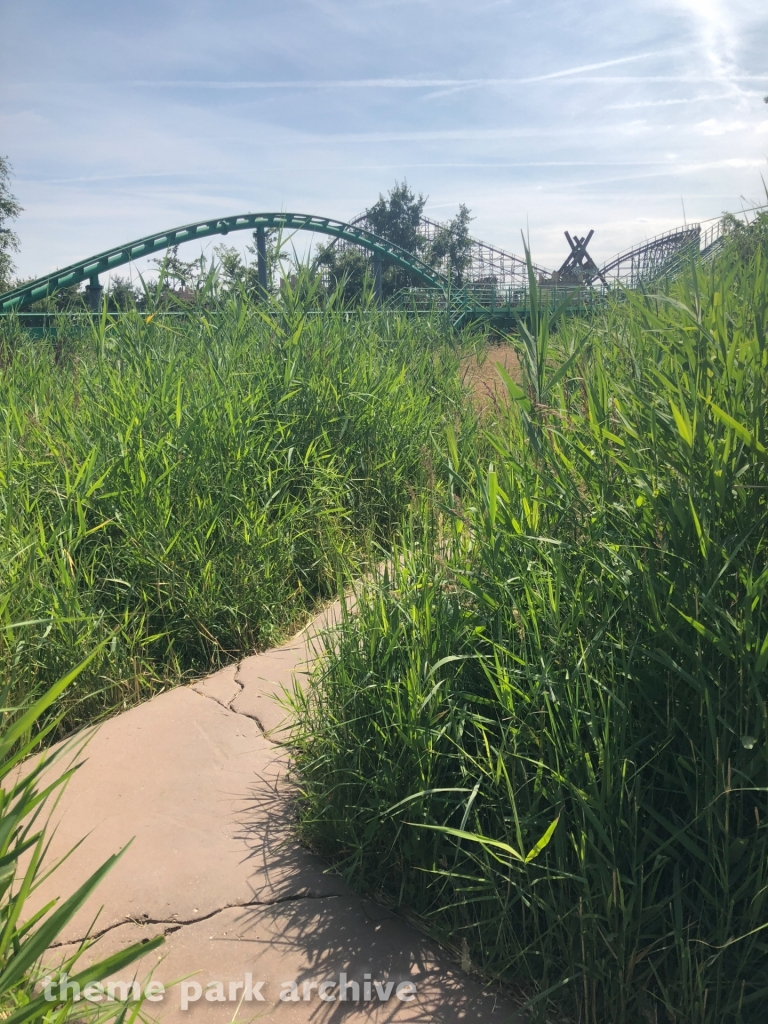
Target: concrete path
(255, 923)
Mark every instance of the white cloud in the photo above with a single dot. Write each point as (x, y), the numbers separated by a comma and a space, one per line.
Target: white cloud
(662, 103)
(714, 127)
(453, 84)
(718, 29)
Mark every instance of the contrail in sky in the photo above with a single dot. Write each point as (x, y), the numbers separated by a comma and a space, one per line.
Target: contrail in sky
(399, 83)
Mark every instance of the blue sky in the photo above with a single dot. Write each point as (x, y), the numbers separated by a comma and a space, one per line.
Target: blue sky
(126, 118)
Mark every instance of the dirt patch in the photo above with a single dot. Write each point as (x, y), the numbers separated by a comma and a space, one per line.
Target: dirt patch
(480, 375)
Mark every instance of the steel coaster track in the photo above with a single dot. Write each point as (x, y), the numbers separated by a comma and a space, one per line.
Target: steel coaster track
(89, 269)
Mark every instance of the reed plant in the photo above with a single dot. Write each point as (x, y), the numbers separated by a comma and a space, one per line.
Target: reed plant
(189, 483)
(545, 727)
(29, 785)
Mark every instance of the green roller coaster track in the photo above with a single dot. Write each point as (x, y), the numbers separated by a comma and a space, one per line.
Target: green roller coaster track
(487, 293)
(89, 269)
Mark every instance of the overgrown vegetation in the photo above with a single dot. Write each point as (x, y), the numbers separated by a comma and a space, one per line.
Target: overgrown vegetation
(201, 482)
(545, 725)
(746, 238)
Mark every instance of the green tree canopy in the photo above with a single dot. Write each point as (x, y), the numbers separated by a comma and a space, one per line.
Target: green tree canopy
(9, 240)
(349, 269)
(397, 217)
(747, 237)
(451, 248)
(235, 273)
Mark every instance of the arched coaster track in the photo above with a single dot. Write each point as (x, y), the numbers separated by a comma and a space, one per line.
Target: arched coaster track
(89, 269)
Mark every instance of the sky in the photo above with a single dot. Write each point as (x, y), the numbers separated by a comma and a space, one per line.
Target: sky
(629, 118)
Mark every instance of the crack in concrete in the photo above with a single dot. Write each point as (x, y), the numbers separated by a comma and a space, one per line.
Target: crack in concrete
(208, 696)
(253, 718)
(302, 641)
(229, 707)
(174, 925)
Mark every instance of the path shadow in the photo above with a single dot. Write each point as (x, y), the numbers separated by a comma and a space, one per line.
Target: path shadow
(310, 919)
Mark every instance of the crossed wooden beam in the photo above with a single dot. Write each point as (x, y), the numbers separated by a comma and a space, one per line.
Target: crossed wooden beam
(579, 265)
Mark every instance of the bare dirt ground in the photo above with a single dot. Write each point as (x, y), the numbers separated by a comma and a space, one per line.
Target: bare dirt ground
(482, 377)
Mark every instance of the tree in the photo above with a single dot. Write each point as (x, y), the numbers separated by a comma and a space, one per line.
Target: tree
(349, 269)
(398, 218)
(122, 295)
(234, 273)
(172, 268)
(9, 240)
(232, 270)
(451, 248)
(746, 237)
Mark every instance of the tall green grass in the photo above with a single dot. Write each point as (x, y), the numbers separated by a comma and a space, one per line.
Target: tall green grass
(545, 726)
(201, 482)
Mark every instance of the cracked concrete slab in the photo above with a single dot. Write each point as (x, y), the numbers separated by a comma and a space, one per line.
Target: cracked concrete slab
(215, 864)
(221, 686)
(203, 796)
(264, 678)
(293, 949)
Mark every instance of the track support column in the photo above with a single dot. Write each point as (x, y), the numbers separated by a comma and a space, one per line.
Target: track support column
(377, 281)
(261, 255)
(93, 294)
